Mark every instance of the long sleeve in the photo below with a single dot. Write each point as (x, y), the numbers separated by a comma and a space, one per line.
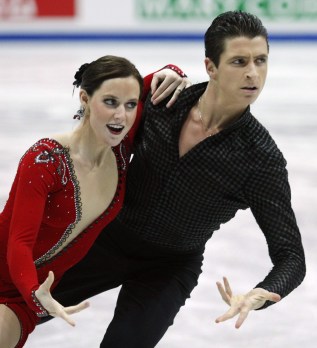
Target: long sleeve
(33, 184)
(269, 195)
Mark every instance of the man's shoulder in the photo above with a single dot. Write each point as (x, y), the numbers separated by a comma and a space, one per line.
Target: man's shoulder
(260, 140)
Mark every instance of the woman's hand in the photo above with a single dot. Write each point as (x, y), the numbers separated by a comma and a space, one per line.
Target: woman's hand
(53, 307)
(243, 304)
(171, 82)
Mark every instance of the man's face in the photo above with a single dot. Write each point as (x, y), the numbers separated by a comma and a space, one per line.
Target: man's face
(242, 70)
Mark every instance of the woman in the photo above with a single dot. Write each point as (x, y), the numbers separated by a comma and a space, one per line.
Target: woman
(67, 189)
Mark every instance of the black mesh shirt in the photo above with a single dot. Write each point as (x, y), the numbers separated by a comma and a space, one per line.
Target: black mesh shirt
(177, 203)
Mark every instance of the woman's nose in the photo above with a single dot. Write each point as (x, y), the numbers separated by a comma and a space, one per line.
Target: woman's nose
(120, 112)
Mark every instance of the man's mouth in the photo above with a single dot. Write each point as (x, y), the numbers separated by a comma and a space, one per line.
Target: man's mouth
(115, 128)
(252, 88)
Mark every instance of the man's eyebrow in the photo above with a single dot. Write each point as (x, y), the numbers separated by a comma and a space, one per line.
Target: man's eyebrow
(262, 55)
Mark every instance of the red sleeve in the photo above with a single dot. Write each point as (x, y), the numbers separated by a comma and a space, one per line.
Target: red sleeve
(33, 183)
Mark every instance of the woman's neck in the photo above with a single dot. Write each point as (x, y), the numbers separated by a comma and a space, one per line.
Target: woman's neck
(84, 147)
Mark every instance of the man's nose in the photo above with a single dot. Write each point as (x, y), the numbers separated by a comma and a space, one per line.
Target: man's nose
(251, 71)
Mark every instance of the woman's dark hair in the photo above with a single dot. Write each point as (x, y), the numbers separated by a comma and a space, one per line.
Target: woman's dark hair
(91, 75)
(229, 25)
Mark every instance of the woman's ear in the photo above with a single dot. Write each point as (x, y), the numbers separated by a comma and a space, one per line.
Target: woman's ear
(83, 97)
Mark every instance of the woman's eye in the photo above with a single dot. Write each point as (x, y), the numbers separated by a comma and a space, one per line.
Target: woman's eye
(131, 105)
(111, 102)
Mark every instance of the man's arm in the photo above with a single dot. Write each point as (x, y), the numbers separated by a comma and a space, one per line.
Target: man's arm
(268, 194)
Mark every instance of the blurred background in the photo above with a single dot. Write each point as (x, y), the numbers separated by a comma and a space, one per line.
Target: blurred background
(43, 43)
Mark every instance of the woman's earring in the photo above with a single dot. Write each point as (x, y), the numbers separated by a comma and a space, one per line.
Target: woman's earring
(80, 113)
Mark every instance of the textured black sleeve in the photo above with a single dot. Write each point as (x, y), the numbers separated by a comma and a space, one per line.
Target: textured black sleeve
(269, 196)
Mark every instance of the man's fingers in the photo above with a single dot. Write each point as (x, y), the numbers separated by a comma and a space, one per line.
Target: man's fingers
(227, 286)
(274, 297)
(78, 308)
(228, 315)
(223, 293)
(266, 295)
(242, 317)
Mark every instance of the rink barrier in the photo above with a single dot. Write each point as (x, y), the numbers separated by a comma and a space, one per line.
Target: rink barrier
(284, 37)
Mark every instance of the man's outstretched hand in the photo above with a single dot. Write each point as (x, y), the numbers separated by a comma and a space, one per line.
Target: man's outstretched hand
(242, 304)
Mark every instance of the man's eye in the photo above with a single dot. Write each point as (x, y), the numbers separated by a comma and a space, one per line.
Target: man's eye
(238, 61)
(261, 60)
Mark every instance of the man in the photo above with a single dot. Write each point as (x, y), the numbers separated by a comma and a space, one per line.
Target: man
(195, 165)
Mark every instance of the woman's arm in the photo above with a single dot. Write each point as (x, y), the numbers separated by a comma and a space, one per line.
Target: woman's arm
(164, 82)
(32, 185)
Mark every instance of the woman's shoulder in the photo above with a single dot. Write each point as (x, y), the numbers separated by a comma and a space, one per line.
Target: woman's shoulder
(46, 152)
(62, 139)
(48, 160)
(44, 148)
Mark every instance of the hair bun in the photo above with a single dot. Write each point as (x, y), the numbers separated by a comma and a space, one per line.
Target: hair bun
(79, 75)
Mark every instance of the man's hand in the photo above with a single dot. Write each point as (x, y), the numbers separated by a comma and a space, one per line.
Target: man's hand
(53, 307)
(171, 82)
(243, 304)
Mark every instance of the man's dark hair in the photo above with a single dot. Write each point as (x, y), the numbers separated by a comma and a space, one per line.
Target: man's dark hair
(229, 25)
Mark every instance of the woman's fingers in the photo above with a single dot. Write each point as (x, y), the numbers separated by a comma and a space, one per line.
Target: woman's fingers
(77, 308)
(65, 312)
(174, 97)
(49, 281)
(66, 317)
(53, 307)
(164, 90)
(163, 79)
(171, 83)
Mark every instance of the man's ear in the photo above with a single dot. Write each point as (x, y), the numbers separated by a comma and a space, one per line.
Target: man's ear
(211, 68)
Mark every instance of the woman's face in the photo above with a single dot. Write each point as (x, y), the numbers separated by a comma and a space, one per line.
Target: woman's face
(112, 109)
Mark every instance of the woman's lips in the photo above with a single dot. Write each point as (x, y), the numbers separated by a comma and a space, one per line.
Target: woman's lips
(115, 128)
